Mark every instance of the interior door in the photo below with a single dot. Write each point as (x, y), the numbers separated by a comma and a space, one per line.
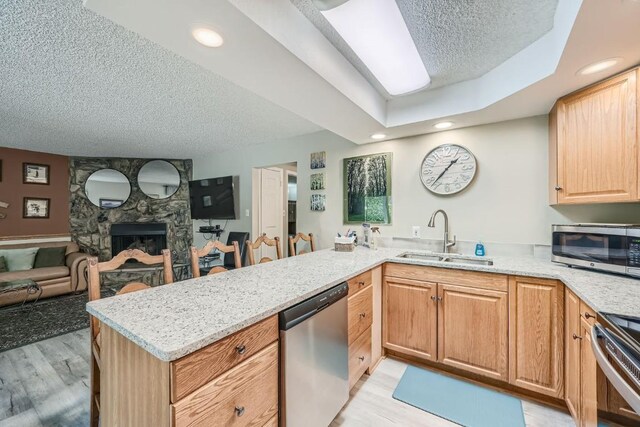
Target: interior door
(473, 330)
(271, 209)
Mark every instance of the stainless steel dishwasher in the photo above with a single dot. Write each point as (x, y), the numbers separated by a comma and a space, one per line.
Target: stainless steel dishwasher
(314, 356)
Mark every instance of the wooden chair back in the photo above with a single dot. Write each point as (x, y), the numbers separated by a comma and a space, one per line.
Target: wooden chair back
(196, 254)
(266, 241)
(304, 237)
(94, 268)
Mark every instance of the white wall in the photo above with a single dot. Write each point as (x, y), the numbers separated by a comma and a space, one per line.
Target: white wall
(506, 203)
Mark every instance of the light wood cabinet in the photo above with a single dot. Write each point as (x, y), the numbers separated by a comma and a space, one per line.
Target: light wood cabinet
(572, 353)
(360, 324)
(536, 350)
(581, 366)
(360, 314)
(410, 317)
(594, 143)
(473, 330)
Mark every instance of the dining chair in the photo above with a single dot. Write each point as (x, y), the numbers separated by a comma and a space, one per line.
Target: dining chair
(94, 269)
(196, 254)
(304, 237)
(263, 240)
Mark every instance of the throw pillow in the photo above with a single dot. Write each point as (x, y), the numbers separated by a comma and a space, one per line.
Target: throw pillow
(3, 265)
(19, 259)
(50, 257)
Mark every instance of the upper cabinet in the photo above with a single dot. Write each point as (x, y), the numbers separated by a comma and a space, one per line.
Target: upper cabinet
(594, 143)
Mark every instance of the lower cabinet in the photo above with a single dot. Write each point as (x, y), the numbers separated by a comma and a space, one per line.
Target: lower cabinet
(463, 326)
(536, 328)
(360, 321)
(473, 330)
(410, 317)
(506, 328)
(581, 366)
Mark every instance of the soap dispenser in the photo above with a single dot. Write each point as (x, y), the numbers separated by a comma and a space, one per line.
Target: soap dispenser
(480, 249)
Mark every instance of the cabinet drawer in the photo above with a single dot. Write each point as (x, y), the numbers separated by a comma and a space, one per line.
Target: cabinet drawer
(475, 279)
(197, 369)
(273, 422)
(360, 313)
(244, 395)
(359, 282)
(587, 313)
(359, 357)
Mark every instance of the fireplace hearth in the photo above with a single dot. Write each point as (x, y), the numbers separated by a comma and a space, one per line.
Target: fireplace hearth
(148, 237)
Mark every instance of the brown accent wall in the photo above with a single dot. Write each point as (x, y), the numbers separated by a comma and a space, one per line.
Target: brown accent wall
(12, 191)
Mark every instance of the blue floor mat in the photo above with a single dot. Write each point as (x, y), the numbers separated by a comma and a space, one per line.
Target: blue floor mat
(458, 401)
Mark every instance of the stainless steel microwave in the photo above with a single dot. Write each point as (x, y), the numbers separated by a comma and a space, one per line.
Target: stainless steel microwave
(613, 248)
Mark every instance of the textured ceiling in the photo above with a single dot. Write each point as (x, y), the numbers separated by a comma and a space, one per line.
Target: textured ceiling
(73, 82)
(457, 39)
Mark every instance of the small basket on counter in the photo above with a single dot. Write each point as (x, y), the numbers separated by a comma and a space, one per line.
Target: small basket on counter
(345, 244)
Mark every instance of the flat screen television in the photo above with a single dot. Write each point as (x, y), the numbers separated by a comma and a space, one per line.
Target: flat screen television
(214, 198)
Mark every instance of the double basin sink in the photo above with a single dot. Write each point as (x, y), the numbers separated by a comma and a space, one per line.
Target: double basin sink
(446, 258)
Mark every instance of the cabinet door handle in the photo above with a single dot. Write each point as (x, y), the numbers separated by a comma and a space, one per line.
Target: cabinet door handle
(360, 283)
(434, 298)
(361, 358)
(363, 315)
(241, 349)
(577, 337)
(558, 188)
(588, 315)
(239, 411)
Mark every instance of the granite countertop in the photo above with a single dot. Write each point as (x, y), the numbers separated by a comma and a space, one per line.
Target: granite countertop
(175, 320)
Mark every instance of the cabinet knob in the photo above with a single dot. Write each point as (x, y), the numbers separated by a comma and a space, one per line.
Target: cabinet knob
(577, 337)
(239, 411)
(588, 315)
(558, 188)
(363, 315)
(434, 298)
(241, 349)
(361, 283)
(361, 358)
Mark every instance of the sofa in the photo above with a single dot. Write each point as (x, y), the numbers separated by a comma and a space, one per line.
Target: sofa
(58, 280)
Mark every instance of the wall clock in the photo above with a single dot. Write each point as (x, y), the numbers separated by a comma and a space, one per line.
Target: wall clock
(448, 169)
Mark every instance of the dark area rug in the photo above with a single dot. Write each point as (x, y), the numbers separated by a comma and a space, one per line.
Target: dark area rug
(46, 319)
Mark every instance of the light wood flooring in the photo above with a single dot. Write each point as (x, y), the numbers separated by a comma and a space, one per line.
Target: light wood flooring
(47, 384)
(371, 405)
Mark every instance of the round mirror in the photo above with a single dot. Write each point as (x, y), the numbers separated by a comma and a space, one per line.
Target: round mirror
(158, 179)
(107, 188)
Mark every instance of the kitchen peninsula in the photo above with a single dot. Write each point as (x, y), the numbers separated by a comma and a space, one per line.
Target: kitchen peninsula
(186, 353)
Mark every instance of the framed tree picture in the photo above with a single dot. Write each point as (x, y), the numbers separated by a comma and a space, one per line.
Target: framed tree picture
(367, 189)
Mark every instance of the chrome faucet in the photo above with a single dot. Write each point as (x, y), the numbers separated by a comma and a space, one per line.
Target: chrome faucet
(446, 244)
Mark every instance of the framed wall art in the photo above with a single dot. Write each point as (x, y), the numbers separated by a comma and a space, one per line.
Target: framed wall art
(367, 189)
(36, 207)
(34, 173)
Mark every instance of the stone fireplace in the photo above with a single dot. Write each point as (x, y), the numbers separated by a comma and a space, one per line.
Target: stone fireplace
(150, 237)
(141, 221)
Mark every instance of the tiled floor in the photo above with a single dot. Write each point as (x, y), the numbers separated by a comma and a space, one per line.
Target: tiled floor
(47, 384)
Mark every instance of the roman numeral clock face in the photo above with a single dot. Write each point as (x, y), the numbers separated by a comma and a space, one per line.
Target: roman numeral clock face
(448, 169)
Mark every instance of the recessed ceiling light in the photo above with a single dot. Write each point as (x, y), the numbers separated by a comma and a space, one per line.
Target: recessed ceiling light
(596, 67)
(378, 34)
(378, 136)
(443, 125)
(207, 37)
